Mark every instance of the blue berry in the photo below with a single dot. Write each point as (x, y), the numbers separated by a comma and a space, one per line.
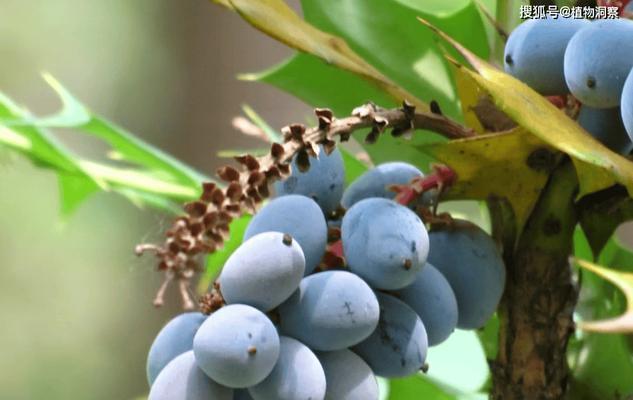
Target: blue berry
(384, 242)
(323, 182)
(298, 216)
(263, 272)
(331, 310)
(237, 346)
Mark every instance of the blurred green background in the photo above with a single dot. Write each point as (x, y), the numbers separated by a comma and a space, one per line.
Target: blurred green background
(75, 303)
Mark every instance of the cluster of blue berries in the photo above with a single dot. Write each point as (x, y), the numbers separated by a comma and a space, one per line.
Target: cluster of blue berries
(293, 329)
(592, 60)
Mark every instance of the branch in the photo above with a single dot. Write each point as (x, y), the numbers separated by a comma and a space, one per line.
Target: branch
(205, 226)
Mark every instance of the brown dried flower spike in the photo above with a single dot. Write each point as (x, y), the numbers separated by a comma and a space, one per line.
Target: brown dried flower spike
(205, 225)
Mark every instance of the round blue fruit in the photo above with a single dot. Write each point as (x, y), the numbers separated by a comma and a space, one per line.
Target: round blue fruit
(597, 61)
(384, 242)
(468, 258)
(175, 338)
(323, 182)
(626, 108)
(398, 346)
(298, 216)
(376, 182)
(331, 310)
(348, 377)
(237, 346)
(182, 379)
(605, 124)
(298, 375)
(432, 298)
(535, 53)
(263, 272)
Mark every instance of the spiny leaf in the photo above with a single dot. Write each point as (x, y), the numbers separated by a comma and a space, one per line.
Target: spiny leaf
(601, 363)
(73, 190)
(276, 19)
(407, 55)
(40, 146)
(624, 281)
(597, 167)
(469, 94)
(156, 182)
(319, 84)
(511, 165)
(126, 146)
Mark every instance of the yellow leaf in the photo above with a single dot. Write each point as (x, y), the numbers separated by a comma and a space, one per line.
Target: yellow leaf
(597, 167)
(279, 21)
(496, 165)
(624, 282)
(469, 93)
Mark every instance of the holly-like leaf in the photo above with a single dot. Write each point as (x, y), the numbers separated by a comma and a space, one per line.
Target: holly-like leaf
(43, 148)
(410, 57)
(321, 84)
(125, 146)
(151, 178)
(601, 363)
(469, 94)
(624, 281)
(597, 166)
(277, 19)
(512, 165)
(73, 191)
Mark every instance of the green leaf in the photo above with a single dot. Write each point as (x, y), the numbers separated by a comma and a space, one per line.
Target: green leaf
(279, 21)
(73, 191)
(597, 167)
(320, 84)
(149, 178)
(126, 146)
(216, 260)
(408, 55)
(117, 177)
(130, 148)
(40, 146)
(601, 363)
